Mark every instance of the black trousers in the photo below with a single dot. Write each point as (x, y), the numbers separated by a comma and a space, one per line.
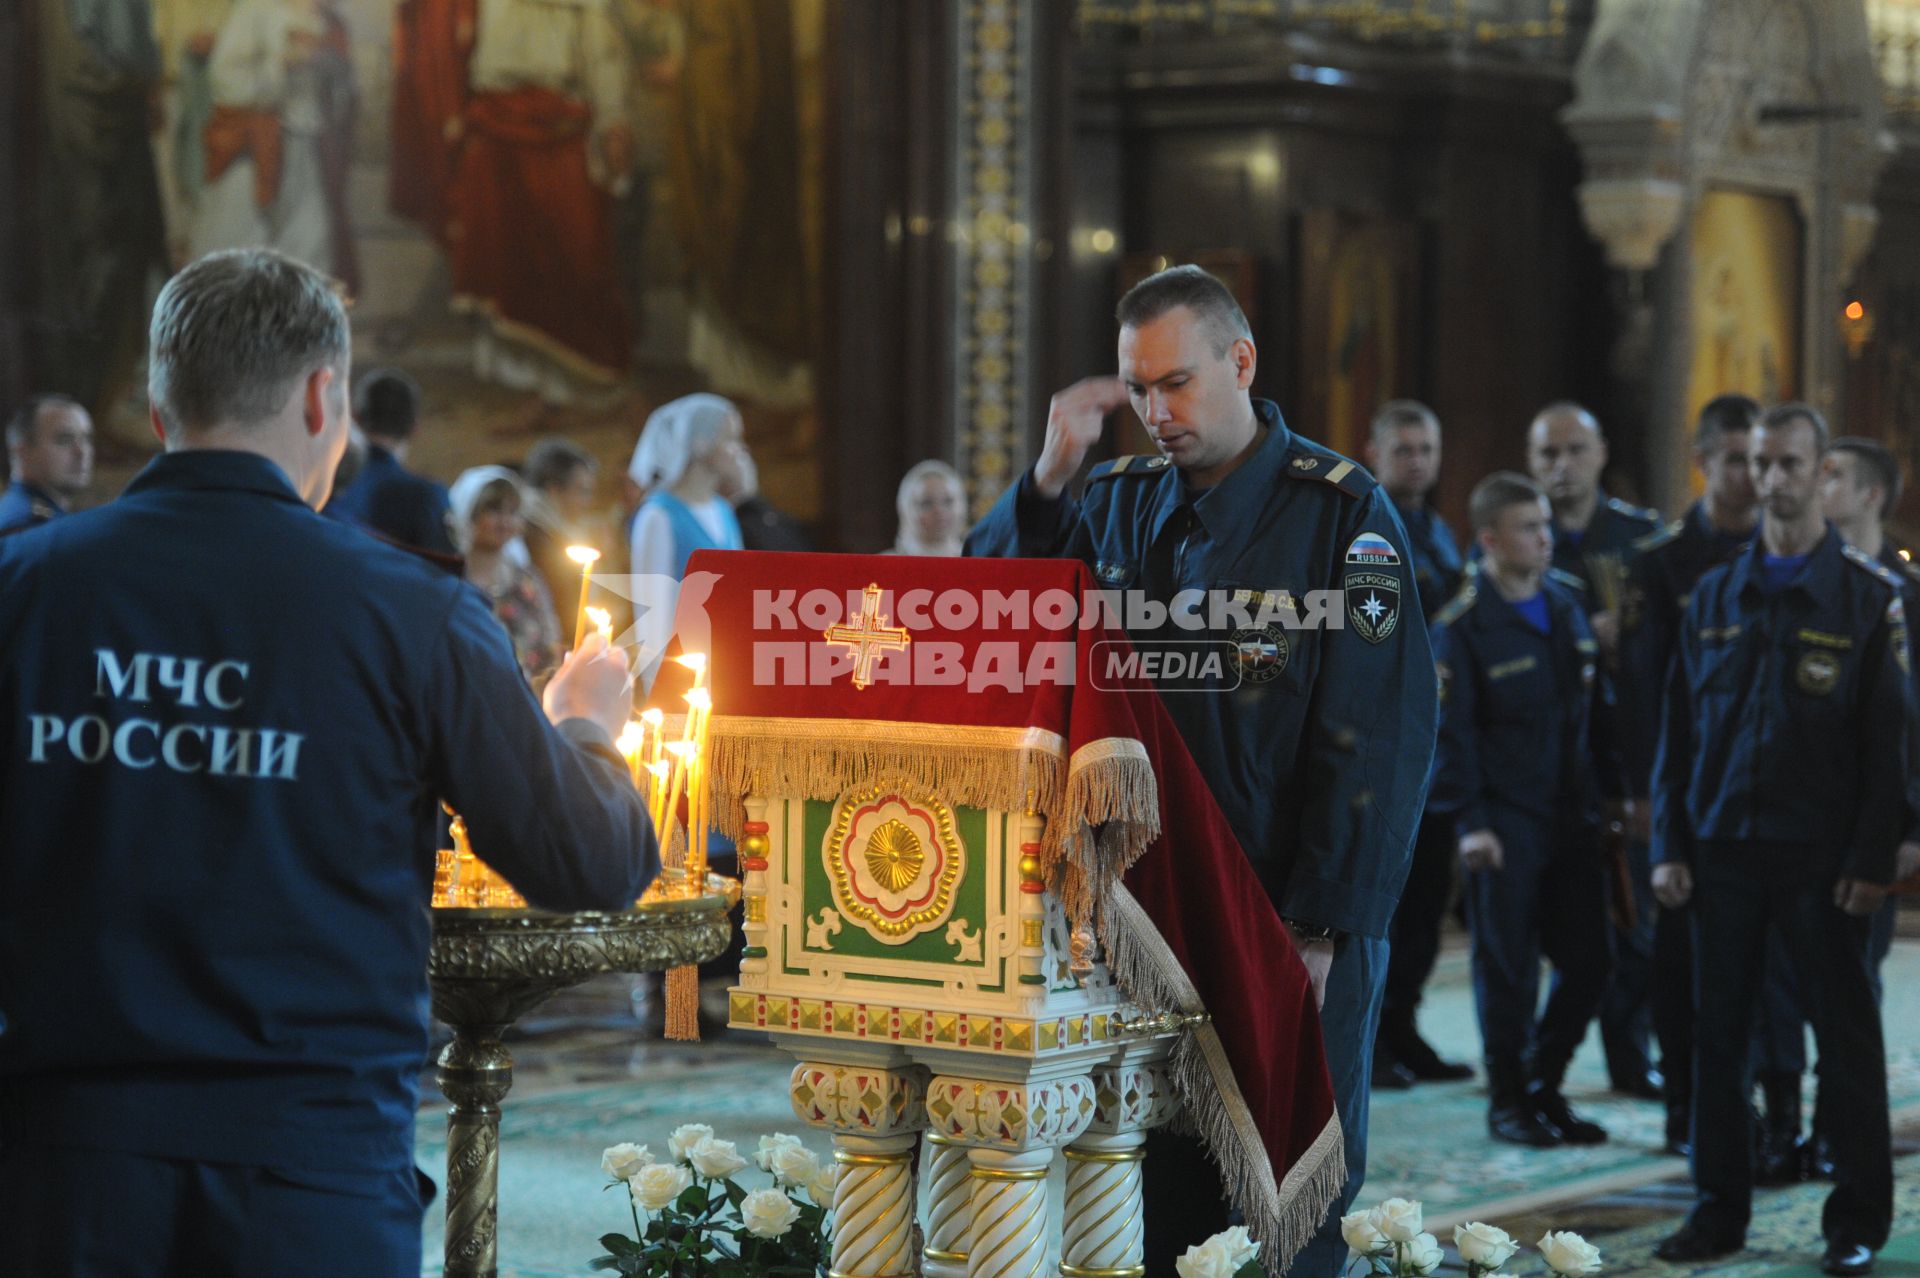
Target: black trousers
(1626, 1015)
(87, 1213)
(1740, 890)
(1415, 933)
(1550, 898)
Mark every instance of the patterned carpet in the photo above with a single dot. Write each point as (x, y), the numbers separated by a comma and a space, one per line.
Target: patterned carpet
(585, 1082)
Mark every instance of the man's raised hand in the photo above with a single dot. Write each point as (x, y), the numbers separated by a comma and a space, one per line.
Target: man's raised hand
(1074, 421)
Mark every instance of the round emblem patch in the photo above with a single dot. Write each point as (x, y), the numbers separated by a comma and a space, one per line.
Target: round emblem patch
(1817, 673)
(1261, 652)
(894, 859)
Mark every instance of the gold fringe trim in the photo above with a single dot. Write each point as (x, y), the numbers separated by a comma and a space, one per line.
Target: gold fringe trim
(683, 1004)
(1282, 1215)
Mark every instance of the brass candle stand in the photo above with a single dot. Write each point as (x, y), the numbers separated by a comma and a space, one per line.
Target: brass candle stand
(490, 966)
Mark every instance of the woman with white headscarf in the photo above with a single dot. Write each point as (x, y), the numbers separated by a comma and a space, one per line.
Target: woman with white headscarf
(933, 511)
(690, 454)
(483, 515)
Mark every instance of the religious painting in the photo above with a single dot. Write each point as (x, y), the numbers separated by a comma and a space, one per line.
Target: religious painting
(1744, 304)
(554, 214)
(1359, 276)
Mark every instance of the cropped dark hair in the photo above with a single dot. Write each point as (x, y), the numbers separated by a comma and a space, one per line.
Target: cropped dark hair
(553, 461)
(1498, 491)
(386, 403)
(1781, 415)
(1398, 413)
(24, 426)
(1193, 288)
(232, 334)
(1877, 467)
(1721, 414)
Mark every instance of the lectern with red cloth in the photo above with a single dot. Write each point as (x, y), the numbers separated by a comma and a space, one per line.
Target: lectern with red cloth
(989, 898)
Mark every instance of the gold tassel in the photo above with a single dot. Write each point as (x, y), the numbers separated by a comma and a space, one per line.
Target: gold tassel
(683, 1004)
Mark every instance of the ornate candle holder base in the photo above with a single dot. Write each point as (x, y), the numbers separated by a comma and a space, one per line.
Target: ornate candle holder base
(490, 967)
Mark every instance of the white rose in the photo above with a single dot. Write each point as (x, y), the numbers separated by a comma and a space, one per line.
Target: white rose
(1423, 1254)
(715, 1158)
(1570, 1255)
(794, 1165)
(1209, 1259)
(1397, 1219)
(1240, 1245)
(1484, 1245)
(768, 1213)
(768, 1144)
(685, 1137)
(621, 1162)
(656, 1185)
(1362, 1235)
(820, 1188)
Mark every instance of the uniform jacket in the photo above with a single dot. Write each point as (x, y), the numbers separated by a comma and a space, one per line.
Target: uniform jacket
(25, 505)
(1600, 555)
(1525, 719)
(1785, 717)
(393, 501)
(1319, 755)
(229, 724)
(1437, 568)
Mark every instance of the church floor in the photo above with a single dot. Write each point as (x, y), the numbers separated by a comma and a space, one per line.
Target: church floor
(584, 1080)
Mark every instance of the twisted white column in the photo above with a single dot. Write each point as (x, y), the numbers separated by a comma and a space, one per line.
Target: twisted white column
(1104, 1232)
(873, 1207)
(1009, 1213)
(949, 1218)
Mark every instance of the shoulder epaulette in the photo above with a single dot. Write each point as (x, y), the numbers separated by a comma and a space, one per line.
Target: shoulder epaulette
(1861, 559)
(1350, 477)
(1627, 508)
(1567, 581)
(1456, 607)
(1659, 537)
(1132, 464)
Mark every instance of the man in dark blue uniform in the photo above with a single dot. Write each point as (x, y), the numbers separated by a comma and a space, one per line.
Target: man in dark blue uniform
(49, 461)
(1525, 759)
(230, 724)
(1319, 755)
(1661, 575)
(1403, 451)
(1779, 799)
(1593, 536)
(384, 495)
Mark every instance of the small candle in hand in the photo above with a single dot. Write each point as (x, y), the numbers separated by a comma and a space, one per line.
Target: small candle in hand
(586, 557)
(602, 620)
(632, 738)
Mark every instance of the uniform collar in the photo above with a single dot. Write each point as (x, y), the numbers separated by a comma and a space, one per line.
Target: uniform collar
(1231, 505)
(1818, 581)
(34, 493)
(216, 468)
(1507, 613)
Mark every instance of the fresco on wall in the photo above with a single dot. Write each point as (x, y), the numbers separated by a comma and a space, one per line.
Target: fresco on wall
(1745, 299)
(556, 214)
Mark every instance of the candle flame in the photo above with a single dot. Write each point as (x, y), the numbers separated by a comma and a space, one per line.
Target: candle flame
(602, 620)
(694, 661)
(659, 769)
(700, 699)
(652, 716)
(583, 555)
(679, 749)
(630, 737)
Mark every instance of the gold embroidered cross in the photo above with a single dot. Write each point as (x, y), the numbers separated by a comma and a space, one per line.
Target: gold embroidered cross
(866, 641)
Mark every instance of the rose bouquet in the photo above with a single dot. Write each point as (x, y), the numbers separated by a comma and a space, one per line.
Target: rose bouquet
(702, 1223)
(1390, 1238)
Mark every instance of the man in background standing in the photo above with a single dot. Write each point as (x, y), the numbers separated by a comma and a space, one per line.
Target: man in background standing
(384, 495)
(1403, 451)
(49, 461)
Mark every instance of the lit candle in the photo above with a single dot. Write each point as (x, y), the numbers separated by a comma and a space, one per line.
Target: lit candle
(652, 718)
(602, 620)
(696, 662)
(676, 786)
(700, 708)
(632, 739)
(585, 556)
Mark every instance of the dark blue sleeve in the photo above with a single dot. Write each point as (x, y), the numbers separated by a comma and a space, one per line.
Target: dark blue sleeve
(1673, 762)
(1459, 785)
(1366, 750)
(552, 809)
(1883, 709)
(1025, 525)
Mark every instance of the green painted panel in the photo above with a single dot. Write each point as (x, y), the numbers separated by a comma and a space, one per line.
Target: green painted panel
(970, 893)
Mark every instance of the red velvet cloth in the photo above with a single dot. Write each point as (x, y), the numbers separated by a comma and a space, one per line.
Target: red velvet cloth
(1193, 881)
(530, 235)
(432, 43)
